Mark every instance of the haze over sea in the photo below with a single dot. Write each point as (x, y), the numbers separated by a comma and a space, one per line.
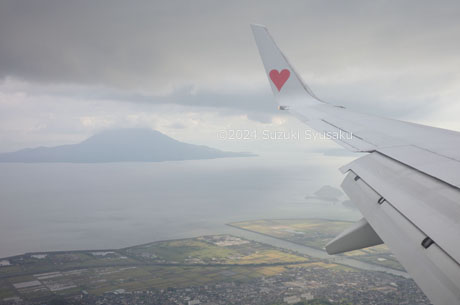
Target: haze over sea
(64, 206)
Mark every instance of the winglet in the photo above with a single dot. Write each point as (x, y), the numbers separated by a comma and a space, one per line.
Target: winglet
(285, 82)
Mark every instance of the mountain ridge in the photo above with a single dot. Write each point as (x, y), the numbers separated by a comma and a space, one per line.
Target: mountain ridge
(120, 145)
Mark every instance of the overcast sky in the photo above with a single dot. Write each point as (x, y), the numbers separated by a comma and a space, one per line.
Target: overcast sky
(69, 69)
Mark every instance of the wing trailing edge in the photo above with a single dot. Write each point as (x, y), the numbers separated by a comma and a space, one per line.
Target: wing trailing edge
(432, 268)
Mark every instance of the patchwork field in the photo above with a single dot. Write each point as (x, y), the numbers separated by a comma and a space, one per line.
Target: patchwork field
(316, 233)
(157, 265)
(220, 249)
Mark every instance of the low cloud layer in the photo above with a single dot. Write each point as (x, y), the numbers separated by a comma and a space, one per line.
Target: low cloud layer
(157, 45)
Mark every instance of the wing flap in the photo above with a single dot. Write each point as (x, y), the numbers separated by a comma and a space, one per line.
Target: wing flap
(359, 235)
(431, 205)
(432, 268)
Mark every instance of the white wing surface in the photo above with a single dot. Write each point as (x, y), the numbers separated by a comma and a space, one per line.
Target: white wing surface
(407, 187)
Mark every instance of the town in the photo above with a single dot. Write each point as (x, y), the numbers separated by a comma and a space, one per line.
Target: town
(217, 269)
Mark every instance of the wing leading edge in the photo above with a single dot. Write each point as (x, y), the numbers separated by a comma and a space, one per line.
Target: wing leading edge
(407, 187)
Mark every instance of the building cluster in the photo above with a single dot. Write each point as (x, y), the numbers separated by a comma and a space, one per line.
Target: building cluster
(300, 284)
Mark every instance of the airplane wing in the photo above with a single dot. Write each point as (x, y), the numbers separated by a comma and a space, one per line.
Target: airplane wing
(406, 187)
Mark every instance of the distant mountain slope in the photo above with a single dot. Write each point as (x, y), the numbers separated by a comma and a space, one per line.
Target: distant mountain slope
(123, 145)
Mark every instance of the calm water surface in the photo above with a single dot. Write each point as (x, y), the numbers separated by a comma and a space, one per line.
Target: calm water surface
(46, 207)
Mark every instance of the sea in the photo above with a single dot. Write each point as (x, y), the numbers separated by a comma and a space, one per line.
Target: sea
(67, 206)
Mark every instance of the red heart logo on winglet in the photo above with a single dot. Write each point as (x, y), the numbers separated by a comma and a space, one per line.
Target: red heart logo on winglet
(279, 78)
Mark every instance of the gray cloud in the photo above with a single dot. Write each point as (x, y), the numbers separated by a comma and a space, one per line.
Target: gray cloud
(148, 44)
(391, 58)
(177, 125)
